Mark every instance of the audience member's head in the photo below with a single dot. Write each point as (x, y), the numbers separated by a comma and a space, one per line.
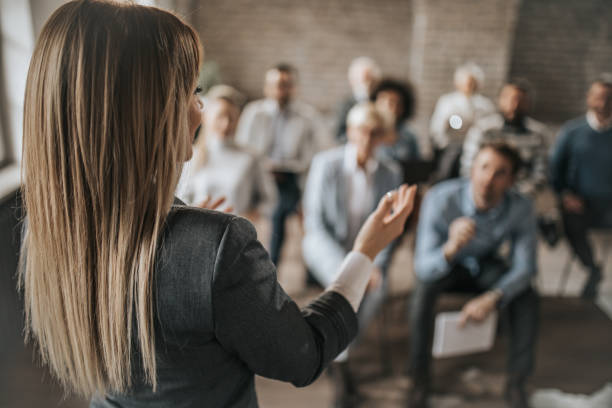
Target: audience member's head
(515, 100)
(493, 173)
(468, 78)
(363, 75)
(223, 104)
(280, 84)
(395, 97)
(599, 97)
(366, 129)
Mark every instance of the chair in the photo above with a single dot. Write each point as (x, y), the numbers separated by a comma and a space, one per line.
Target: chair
(604, 236)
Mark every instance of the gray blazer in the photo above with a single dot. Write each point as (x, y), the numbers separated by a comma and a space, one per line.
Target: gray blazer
(222, 317)
(326, 240)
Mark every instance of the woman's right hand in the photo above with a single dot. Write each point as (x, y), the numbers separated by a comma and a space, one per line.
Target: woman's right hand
(386, 222)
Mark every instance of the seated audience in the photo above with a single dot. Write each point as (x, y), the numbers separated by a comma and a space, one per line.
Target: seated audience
(453, 115)
(462, 232)
(581, 173)
(343, 187)
(287, 134)
(220, 168)
(512, 125)
(396, 100)
(363, 75)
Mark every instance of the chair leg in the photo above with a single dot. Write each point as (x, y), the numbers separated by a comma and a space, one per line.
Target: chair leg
(385, 361)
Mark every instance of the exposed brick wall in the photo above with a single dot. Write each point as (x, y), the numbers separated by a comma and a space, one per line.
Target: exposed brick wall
(449, 33)
(319, 37)
(560, 46)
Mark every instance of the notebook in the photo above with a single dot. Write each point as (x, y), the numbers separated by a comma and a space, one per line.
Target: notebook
(452, 340)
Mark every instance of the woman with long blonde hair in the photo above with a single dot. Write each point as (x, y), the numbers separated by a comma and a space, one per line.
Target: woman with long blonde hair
(132, 298)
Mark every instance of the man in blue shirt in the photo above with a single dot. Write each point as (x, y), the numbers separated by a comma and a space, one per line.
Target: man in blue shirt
(581, 173)
(464, 227)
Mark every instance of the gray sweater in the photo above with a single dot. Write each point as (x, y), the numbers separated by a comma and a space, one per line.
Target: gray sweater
(221, 317)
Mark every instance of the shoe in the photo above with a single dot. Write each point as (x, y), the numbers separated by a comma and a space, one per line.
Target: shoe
(589, 292)
(516, 397)
(418, 396)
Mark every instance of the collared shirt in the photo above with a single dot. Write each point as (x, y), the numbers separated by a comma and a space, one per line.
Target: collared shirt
(359, 182)
(511, 222)
(454, 114)
(288, 139)
(529, 137)
(229, 171)
(595, 124)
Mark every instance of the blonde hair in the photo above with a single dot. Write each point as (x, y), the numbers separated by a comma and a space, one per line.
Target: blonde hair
(366, 113)
(105, 134)
(216, 93)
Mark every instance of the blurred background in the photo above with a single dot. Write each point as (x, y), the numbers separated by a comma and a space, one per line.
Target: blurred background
(560, 46)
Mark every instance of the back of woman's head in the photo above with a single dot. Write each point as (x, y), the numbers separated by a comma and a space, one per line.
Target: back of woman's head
(105, 135)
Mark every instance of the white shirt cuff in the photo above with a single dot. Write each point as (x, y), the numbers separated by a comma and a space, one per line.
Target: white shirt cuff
(353, 277)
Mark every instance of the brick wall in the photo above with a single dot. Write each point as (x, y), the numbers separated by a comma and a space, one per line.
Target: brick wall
(560, 46)
(319, 37)
(449, 33)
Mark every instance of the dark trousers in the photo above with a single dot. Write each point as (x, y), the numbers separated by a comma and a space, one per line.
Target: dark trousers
(577, 227)
(522, 314)
(288, 199)
(448, 162)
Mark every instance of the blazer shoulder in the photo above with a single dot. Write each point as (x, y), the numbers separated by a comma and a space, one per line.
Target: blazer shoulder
(193, 223)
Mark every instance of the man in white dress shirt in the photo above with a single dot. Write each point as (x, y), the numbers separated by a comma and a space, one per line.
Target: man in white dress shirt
(453, 116)
(286, 133)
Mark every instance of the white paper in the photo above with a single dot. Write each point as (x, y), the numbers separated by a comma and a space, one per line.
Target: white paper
(452, 340)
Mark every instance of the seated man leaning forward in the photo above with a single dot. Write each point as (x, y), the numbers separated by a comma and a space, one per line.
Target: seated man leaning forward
(464, 226)
(343, 187)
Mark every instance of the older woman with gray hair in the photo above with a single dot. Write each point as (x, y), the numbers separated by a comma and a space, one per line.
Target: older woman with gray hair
(454, 114)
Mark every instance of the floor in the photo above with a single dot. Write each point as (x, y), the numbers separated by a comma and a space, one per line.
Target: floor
(574, 354)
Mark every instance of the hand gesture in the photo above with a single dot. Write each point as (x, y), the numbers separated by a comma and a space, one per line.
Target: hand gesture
(386, 222)
(460, 232)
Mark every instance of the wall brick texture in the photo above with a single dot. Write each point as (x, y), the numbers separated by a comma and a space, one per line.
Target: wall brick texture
(319, 37)
(558, 45)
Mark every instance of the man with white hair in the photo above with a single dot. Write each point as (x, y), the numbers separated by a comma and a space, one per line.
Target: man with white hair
(343, 187)
(363, 75)
(454, 114)
(287, 134)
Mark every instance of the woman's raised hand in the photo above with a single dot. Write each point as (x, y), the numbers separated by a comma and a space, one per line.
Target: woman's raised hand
(386, 222)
